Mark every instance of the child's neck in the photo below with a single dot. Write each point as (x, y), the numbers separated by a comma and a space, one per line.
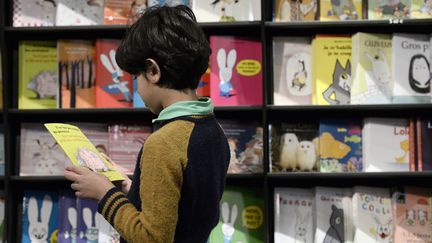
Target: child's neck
(174, 96)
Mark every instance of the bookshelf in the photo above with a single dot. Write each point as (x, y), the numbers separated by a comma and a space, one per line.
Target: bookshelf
(11, 117)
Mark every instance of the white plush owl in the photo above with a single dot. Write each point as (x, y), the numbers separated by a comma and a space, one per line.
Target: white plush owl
(288, 150)
(306, 156)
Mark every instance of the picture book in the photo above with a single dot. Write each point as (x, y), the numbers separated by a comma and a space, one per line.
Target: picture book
(116, 12)
(137, 99)
(171, 3)
(294, 146)
(32, 13)
(107, 234)
(125, 142)
(40, 216)
(424, 144)
(385, 144)
(333, 220)
(81, 151)
(245, 141)
(88, 220)
(37, 75)
(1, 81)
(97, 133)
(113, 85)
(331, 67)
(421, 9)
(68, 217)
(137, 9)
(242, 216)
(389, 9)
(80, 12)
(412, 212)
(340, 144)
(372, 69)
(372, 213)
(77, 73)
(294, 10)
(292, 71)
(2, 220)
(203, 89)
(293, 215)
(236, 71)
(227, 11)
(2, 152)
(40, 154)
(341, 9)
(411, 68)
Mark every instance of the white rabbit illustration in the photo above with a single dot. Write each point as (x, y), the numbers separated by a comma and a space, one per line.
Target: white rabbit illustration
(422, 217)
(301, 226)
(306, 156)
(92, 231)
(38, 230)
(410, 217)
(72, 217)
(383, 231)
(381, 71)
(116, 74)
(228, 226)
(288, 151)
(45, 161)
(226, 66)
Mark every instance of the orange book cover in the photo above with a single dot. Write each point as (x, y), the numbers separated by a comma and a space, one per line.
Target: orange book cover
(77, 73)
(113, 85)
(203, 89)
(419, 146)
(412, 144)
(117, 11)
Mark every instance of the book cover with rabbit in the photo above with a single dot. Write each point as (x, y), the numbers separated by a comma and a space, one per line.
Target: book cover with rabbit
(80, 12)
(77, 72)
(236, 71)
(124, 143)
(294, 146)
(37, 75)
(68, 217)
(386, 144)
(227, 10)
(372, 64)
(242, 216)
(88, 221)
(97, 133)
(424, 144)
(31, 13)
(293, 10)
(294, 215)
(332, 77)
(341, 10)
(114, 87)
(245, 139)
(39, 217)
(170, 3)
(340, 144)
(389, 9)
(117, 12)
(411, 68)
(292, 71)
(412, 215)
(373, 218)
(39, 153)
(333, 217)
(107, 234)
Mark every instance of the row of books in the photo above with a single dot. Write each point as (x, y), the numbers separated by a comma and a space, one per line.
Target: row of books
(358, 215)
(32, 13)
(366, 68)
(325, 10)
(350, 145)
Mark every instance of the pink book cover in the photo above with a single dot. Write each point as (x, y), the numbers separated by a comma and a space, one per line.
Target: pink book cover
(412, 214)
(236, 71)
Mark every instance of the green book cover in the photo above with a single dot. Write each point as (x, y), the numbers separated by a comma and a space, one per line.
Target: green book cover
(38, 75)
(372, 63)
(421, 9)
(242, 217)
(389, 9)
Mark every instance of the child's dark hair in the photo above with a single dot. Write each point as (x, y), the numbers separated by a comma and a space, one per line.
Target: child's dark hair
(171, 37)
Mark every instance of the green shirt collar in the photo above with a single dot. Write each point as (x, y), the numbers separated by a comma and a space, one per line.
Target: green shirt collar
(202, 106)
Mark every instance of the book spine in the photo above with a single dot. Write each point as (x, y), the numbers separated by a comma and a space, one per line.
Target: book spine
(412, 143)
(419, 146)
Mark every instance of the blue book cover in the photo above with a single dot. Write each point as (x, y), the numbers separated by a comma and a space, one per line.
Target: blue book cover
(171, 3)
(341, 145)
(40, 216)
(88, 221)
(137, 100)
(245, 140)
(67, 217)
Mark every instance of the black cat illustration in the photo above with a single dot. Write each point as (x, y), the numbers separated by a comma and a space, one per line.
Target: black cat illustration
(336, 231)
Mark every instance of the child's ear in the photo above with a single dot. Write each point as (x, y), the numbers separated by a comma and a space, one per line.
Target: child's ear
(153, 73)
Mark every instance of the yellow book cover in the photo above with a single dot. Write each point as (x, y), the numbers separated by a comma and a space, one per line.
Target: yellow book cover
(332, 69)
(81, 151)
(340, 10)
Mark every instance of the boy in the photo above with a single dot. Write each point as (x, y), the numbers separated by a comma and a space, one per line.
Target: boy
(179, 177)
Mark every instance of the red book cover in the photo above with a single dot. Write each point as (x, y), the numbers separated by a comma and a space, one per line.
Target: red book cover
(419, 146)
(117, 11)
(412, 144)
(113, 85)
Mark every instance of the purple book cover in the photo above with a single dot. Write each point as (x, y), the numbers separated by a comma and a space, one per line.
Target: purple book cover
(88, 221)
(67, 217)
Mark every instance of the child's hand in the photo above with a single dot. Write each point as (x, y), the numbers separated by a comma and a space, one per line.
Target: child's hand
(126, 183)
(87, 183)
